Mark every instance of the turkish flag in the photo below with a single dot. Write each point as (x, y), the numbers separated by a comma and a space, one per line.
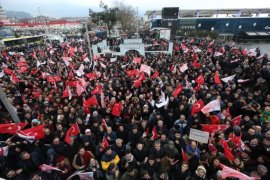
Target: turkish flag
(217, 78)
(155, 75)
(236, 120)
(200, 79)
(197, 107)
(227, 152)
(12, 128)
(196, 64)
(71, 83)
(132, 73)
(90, 101)
(154, 133)
(197, 88)
(236, 139)
(105, 143)
(232, 173)
(117, 108)
(137, 83)
(184, 155)
(91, 76)
(73, 131)
(177, 90)
(97, 90)
(35, 132)
(213, 128)
(137, 60)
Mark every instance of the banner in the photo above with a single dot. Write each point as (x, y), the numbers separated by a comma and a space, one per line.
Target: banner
(199, 136)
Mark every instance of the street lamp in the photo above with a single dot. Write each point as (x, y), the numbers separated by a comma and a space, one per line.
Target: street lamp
(88, 41)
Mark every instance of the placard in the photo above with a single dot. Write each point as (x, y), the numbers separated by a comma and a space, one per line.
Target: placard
(199, 136)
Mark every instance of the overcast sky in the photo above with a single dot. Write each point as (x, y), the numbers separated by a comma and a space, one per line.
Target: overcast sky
(64, 8)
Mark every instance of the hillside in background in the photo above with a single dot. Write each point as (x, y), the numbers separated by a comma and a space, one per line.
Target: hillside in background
(18, 14)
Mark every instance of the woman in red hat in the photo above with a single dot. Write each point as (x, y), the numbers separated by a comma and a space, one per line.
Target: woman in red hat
(64, 164)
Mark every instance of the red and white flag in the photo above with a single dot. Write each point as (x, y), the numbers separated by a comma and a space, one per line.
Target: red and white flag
(177, 91)
(117, 109)
(3, 151)
(86, 175)
(232, 173)
(217, 54)
(32, 134)
(12, 128)
(73, 131)
(91, 76)
(244, 52)
(48, 168)
(146, 69)
(79, 89)
(14, 79)
(183, 68)
(211, 106)
(229, 78)
(67, 93)
(197, 107)
(236, 121)
(196, 64)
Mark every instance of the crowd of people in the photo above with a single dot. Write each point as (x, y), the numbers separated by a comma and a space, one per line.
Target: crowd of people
(115, 120)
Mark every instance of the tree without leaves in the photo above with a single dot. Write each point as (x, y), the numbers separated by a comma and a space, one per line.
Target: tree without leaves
(126, 16)
(107, 16)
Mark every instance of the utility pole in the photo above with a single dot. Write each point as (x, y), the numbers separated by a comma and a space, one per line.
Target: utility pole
(88, 41)
(8, 106)
(137, 18)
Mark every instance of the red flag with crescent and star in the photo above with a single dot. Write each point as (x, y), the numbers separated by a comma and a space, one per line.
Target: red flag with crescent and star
(73, 131)
(197, 107)
(12, 128)
(34, 133)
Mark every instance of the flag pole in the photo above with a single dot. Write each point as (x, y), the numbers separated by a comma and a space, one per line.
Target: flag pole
(8, 106)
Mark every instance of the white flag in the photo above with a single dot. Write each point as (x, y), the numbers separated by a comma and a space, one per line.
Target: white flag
(163, 103)
(184, 68)
(103, 65)
(146, 69)
(211, 106)
(39, 63)
(242, 80)
(2, 74)
(113, 59)
(229, 78)
(217, 54)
